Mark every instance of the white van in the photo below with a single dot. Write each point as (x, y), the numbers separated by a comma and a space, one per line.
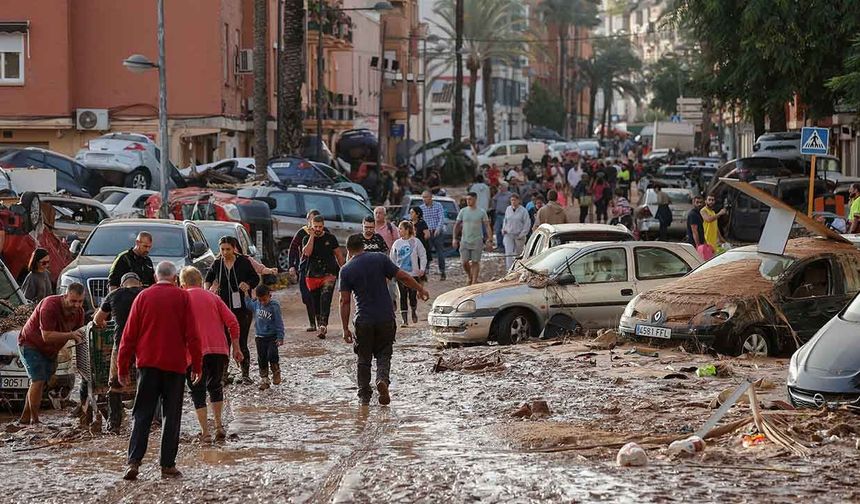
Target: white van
(511, 152)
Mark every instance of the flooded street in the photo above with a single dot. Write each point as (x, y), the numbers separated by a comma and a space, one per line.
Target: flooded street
(449, 436)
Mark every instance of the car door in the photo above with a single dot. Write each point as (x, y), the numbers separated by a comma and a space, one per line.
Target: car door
(655, 266)
(204, 261)
(812, 294)
(594, 289)
(287, 215)
(353, 213)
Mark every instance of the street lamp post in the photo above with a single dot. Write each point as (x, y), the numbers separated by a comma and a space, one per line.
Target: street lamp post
(138, 63)
(378, 7)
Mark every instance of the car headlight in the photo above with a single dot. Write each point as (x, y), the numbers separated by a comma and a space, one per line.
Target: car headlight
(715, 315)
(630, 308)
(792, 368)
(232, 212)
(66, 281)
(467, 306)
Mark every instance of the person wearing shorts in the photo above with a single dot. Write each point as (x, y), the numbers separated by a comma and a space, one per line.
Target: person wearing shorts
(55, 321)
(471, 235)
(212, 317)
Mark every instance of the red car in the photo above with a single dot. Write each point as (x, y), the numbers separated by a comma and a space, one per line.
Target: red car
(27, 224)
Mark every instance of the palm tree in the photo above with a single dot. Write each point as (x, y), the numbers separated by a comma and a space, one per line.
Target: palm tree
(564, 15)
(613, 68)
(489, 33)
(261, 96)
(293, 72)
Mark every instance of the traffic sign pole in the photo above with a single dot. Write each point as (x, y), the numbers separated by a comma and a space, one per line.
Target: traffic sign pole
(811, 204)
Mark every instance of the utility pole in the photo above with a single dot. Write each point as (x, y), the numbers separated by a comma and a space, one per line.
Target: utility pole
(320, 70)
(162, 111)
(457, 116)
(381, 121)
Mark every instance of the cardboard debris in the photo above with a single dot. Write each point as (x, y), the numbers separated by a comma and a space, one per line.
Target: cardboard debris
(605, 340)
(488, 362)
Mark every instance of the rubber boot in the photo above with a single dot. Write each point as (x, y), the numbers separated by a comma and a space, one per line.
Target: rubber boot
(276, 374)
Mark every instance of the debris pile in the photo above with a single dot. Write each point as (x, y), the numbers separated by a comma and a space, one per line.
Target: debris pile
(488, 362)
(16, 319)
(535, 410)
(606, 340)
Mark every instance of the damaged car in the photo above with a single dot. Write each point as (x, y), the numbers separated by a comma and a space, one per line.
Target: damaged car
(574, 286)
(825, 372)
(749, 301)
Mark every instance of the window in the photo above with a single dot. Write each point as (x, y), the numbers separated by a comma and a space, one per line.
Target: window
(353, 211)
(323, 203)
(500, 151)
(537, 243)
(600, 266)
(520, 149)
(110, 197)
(11, 58)
(653, 263)
(811, 281)
(286, 204)
(36, 159)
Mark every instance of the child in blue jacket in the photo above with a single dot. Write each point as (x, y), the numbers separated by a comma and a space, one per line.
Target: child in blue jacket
(269, 329)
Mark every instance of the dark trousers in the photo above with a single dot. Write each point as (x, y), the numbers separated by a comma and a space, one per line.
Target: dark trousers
(267, 353)
(373, 341)
(408, 297)
(306, 297)
(245, 318)
(211, 380)
(154, 384)
(322, 302)
(583, 213)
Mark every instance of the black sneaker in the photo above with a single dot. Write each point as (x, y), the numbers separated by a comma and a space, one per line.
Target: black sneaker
(131, 472)
(443, 277)
(364, 401)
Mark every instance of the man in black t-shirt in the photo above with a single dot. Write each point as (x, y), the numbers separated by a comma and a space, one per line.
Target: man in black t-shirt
(117, 305)
(373, 241)
(695, 223)
(134, 260)
(324, 258)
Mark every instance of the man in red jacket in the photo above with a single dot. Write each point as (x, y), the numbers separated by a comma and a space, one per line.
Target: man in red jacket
(159, 333)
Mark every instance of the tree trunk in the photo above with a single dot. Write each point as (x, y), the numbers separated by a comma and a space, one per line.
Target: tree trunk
(778, 119)
(261, 96)
(472, 65)
(592, 102)
(293, 64)
(607, 113)
(705, 147)
(757, 114)
(457, 115)
(574, 94)
(489, 99)
(562, 77)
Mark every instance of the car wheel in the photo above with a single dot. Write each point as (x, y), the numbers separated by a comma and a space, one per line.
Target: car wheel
(754, 342)
(515, 326)
(32, 210)
(138, 179)
(284, 257)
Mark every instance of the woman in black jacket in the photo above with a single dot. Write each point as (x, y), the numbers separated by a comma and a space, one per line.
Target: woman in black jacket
(232, 277)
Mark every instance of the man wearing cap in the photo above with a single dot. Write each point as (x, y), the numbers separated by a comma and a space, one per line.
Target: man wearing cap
(117, 305)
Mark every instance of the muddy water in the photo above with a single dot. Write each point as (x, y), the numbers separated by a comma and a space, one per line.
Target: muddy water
(447, 437)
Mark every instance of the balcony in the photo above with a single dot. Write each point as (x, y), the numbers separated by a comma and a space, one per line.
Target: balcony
(336, 27)
(396, 29)
(338, 112)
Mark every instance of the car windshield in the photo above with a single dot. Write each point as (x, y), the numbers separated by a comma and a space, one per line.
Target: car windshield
(550, 259)
(110, 197)
(771, 266)
(213, 234)
(111, 240)
(852, 311)
(675, 197)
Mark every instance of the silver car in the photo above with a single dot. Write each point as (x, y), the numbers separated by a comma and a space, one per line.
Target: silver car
(126, 159)
(680, 203)
(75, 217)
(576, 285)
(551, 235)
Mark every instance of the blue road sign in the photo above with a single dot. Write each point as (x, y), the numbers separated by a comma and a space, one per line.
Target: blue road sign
(814, 141)
(675, 118)
(398, 130)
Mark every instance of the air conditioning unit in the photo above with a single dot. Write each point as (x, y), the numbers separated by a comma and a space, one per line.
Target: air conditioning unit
(92, 119)
(245, 61)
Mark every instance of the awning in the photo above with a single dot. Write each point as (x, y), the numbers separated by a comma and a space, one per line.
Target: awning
(14, 26)
(199, 132)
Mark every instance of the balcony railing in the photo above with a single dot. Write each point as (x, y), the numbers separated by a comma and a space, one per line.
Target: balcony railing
(338, 107)
(334, 23)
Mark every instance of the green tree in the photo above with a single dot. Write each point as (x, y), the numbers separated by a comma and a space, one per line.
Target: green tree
(848, 84)
(544, 108)
(293, 74)
(762, 52)
(667, 79)
(489, 33)
(562, 15)
(614, 67)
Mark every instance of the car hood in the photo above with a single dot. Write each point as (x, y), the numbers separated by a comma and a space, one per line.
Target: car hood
(497, 288)
(85, 267)
(830, 361)
(9, 343)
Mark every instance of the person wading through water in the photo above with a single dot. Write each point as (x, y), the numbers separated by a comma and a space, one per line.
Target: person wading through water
(324, 258)
(366, 277)
(299, 269)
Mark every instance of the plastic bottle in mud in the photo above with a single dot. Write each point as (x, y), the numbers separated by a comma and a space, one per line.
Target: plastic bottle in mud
(687, 447)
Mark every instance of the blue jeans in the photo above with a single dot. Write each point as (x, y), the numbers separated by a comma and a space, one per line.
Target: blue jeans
(438, 243)
(497, 228)
(39, 367)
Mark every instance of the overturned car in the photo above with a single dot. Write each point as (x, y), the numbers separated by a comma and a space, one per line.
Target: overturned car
(749, 301)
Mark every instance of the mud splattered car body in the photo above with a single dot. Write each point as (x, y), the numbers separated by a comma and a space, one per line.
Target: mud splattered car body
(746, 301)
(584, 284)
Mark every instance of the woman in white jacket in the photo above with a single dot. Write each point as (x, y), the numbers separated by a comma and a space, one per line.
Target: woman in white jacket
(409, 254)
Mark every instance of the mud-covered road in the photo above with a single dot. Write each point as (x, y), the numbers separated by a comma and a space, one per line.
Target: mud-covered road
(449, 436)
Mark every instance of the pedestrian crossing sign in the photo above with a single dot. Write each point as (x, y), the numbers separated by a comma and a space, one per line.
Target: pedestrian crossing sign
(814, 141)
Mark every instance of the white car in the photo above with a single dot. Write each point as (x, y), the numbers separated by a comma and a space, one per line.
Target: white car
(559, 150)
(575, 285)
(74, 217)
(126, 159)
(124, 202)
(511, 152)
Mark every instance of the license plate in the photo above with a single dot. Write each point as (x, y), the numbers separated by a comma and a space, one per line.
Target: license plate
(439, 321)
(653, 332)
(14, 383)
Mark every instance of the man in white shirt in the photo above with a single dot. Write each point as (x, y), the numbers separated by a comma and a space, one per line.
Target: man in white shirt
(515, 229)
(574, 176)
(483, 192)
